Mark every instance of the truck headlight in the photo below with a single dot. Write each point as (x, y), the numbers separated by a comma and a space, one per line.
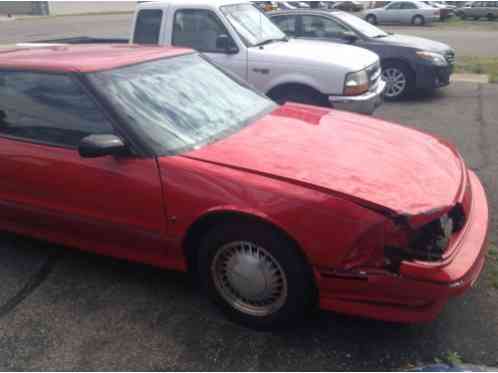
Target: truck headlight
(434, 58)
(356, 83)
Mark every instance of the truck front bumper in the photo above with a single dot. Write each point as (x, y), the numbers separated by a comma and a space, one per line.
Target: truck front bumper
(366, 103)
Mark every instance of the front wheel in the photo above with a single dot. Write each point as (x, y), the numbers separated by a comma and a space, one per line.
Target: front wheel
(399, 79)
(256, 275)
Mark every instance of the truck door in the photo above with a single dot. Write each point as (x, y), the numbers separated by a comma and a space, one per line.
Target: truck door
(202, 30)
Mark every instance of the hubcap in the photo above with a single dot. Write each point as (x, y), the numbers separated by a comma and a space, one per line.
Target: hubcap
(249, 278)
(396, 81)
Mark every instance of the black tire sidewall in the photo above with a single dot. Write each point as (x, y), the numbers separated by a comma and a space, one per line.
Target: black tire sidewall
(300, 296)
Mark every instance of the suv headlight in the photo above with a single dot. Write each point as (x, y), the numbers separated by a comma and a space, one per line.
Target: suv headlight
(356, 83)
(434, 58)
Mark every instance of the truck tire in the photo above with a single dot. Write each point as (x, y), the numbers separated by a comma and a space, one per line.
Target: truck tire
(298, 93)
(256, 275)
(491, 17)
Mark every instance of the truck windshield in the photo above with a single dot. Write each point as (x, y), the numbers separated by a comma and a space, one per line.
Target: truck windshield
(252, 25)
(181, 103)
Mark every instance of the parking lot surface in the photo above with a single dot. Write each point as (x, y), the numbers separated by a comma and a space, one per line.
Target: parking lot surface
(480, 42)
(65, 310)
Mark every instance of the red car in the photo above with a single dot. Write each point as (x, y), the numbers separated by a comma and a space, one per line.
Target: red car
(155, 155)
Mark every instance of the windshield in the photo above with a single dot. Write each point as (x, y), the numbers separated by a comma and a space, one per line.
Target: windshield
(367, 29)
(251, 24)
(181, 103)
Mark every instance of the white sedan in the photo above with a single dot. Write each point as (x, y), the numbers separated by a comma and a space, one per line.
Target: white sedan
(405, 12)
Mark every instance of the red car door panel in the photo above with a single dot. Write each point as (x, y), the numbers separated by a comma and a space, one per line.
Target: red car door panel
(114, 204)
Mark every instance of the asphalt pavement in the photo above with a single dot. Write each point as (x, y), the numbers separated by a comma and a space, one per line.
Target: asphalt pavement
(64, 310)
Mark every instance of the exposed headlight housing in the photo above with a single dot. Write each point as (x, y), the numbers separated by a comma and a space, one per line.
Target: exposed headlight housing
(356, 83)
(434, 58)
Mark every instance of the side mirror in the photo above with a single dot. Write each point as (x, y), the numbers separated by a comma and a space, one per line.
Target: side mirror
(225, 43)
(94, 146)
(349, 37)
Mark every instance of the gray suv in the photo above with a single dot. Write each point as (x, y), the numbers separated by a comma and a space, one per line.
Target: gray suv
(408, 62)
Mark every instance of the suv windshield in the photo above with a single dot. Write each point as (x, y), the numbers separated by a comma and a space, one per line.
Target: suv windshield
(181, 103)
(367, 29)
(252, 25)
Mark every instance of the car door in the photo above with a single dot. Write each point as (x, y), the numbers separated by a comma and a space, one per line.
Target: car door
(200, 29)
(111, 205)
(391, 13)
(476, 9)
(322, 28)
(407, 12)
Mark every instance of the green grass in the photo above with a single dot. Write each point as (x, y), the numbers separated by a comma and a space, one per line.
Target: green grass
(457, 22)
(451, 358)
(479, 65)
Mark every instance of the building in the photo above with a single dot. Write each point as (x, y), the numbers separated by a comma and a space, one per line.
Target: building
(64, 7)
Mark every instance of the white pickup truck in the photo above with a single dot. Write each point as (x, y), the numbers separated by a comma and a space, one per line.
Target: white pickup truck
(238, 37)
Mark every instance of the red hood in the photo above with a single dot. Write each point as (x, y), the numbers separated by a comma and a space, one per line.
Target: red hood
(385, 165)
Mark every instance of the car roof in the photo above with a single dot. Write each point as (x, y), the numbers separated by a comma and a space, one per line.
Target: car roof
(82, 58)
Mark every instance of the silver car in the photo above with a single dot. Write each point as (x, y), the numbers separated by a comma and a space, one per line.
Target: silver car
(404, 12)
(479, 9)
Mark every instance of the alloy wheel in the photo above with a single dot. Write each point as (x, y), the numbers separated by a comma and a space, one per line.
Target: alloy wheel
(396, 82)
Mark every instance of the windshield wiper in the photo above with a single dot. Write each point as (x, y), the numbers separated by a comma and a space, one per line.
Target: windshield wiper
(380, 36)
(269, 41)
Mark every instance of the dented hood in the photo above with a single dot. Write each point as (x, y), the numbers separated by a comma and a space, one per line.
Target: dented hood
(367, 160)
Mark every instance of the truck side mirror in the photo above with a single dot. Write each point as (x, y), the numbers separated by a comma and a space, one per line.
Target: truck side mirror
(226, 44)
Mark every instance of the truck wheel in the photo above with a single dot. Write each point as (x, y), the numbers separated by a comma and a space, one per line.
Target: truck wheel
(399, 78)
(418, 21)
(298, 93)
(491, 17)
(255, 275)
(371, 19)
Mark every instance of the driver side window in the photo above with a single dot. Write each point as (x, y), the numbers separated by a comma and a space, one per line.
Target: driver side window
(394, 6)
(198, 29)
(48, 108)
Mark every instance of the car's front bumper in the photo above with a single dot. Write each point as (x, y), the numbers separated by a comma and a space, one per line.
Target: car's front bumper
(366, 103)
(421, 289)
(432, 77)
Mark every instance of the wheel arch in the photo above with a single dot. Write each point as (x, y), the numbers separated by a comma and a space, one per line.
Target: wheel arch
(287, 86)
(200, 227)
(401, 60)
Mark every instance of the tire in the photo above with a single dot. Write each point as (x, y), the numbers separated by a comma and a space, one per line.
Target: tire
(418, 20)
(300, 94)
(395, 73)
(371, 19)
(490, 17)
(256, 249)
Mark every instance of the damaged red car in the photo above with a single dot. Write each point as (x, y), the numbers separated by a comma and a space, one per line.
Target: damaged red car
(155, 155)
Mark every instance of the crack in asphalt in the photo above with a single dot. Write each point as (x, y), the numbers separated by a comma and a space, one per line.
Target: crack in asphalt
(483, 125)
(31, 285)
